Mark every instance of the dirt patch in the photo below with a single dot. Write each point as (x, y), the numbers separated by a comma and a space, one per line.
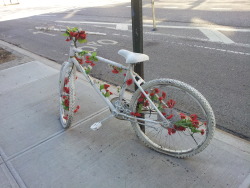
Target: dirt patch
(6, 56)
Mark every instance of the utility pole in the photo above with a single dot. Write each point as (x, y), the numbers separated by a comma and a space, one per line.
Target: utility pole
(137, 33)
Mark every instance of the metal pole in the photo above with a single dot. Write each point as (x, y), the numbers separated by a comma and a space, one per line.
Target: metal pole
(137, 33)
(153, 12)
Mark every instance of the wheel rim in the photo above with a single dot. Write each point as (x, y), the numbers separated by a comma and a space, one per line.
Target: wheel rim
(66, 95)
(179, 141)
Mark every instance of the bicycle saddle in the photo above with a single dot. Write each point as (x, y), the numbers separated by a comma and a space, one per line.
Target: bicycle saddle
(132, 57)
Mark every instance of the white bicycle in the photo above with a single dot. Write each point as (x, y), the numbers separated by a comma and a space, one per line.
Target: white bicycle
(167, 115)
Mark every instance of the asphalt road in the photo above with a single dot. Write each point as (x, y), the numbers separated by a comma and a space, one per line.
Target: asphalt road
(205, 44)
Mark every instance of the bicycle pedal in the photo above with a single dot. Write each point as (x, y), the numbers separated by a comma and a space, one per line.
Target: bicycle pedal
(96, 126)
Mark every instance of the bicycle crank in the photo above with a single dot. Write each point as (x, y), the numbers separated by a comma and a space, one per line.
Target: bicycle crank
(121, 106)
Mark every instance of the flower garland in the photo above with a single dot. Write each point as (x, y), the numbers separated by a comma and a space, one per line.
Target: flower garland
(181, 121)
(73, 34)
(105, 91)
(65, 97)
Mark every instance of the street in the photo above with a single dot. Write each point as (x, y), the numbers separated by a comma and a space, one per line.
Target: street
(203, 43)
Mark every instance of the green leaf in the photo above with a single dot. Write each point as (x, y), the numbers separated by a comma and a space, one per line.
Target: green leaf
(93, 54)
(140, 108)
(65, 107)
(107, 94)
(194, 130)
(82, 41)
(87, 71)
(84, 52)
(155, 98)
(101, 87)
(184, 123)
(160, 108)
(65, 34)
(74, 29)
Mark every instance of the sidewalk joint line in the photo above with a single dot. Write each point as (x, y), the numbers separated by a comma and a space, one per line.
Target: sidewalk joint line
(15, 175)
(55, 135)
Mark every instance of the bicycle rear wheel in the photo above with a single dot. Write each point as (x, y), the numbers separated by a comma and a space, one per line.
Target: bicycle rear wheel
(67, 94)
(191, 119)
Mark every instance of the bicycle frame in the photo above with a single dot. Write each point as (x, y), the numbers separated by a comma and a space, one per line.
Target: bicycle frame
(129, 73)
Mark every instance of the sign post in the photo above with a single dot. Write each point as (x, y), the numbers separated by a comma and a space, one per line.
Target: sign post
(153, 12)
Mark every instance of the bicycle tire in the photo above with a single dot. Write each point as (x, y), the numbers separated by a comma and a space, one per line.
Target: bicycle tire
(176, 141)
(67, 94)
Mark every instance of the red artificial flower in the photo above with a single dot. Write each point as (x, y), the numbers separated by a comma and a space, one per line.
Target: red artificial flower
(171, 103)
(202, 131)
(164, 114)
(66, 117)
(171, 131)
(160, 98)
(193, 116)
(142, 95)
(170, 116)
(72, 34)
(66, 89)
(66, 102)
(164, 95)
(135, 114)
(79, 35)
(88, 61)
(110, 93)
(157, 90)
(106, 86)
(124, 74)
(183, 116)
(82, 35)
(66, 80)
(152, 94)
(115, 71)
(180, 128)
(129, 82)
(79, 60)
(140, 99)
(195, 123)
(64, 97)
(87, 57)
(92, 64)
(146, 103)
(77, 108)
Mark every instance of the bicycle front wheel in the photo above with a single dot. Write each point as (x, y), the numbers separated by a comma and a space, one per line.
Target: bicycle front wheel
(190, 118)
(67, 94)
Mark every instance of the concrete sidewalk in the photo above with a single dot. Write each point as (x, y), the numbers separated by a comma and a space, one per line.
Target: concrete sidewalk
(36, 152)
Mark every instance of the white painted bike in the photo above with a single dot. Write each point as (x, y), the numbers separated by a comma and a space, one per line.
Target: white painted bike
(167, 115)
